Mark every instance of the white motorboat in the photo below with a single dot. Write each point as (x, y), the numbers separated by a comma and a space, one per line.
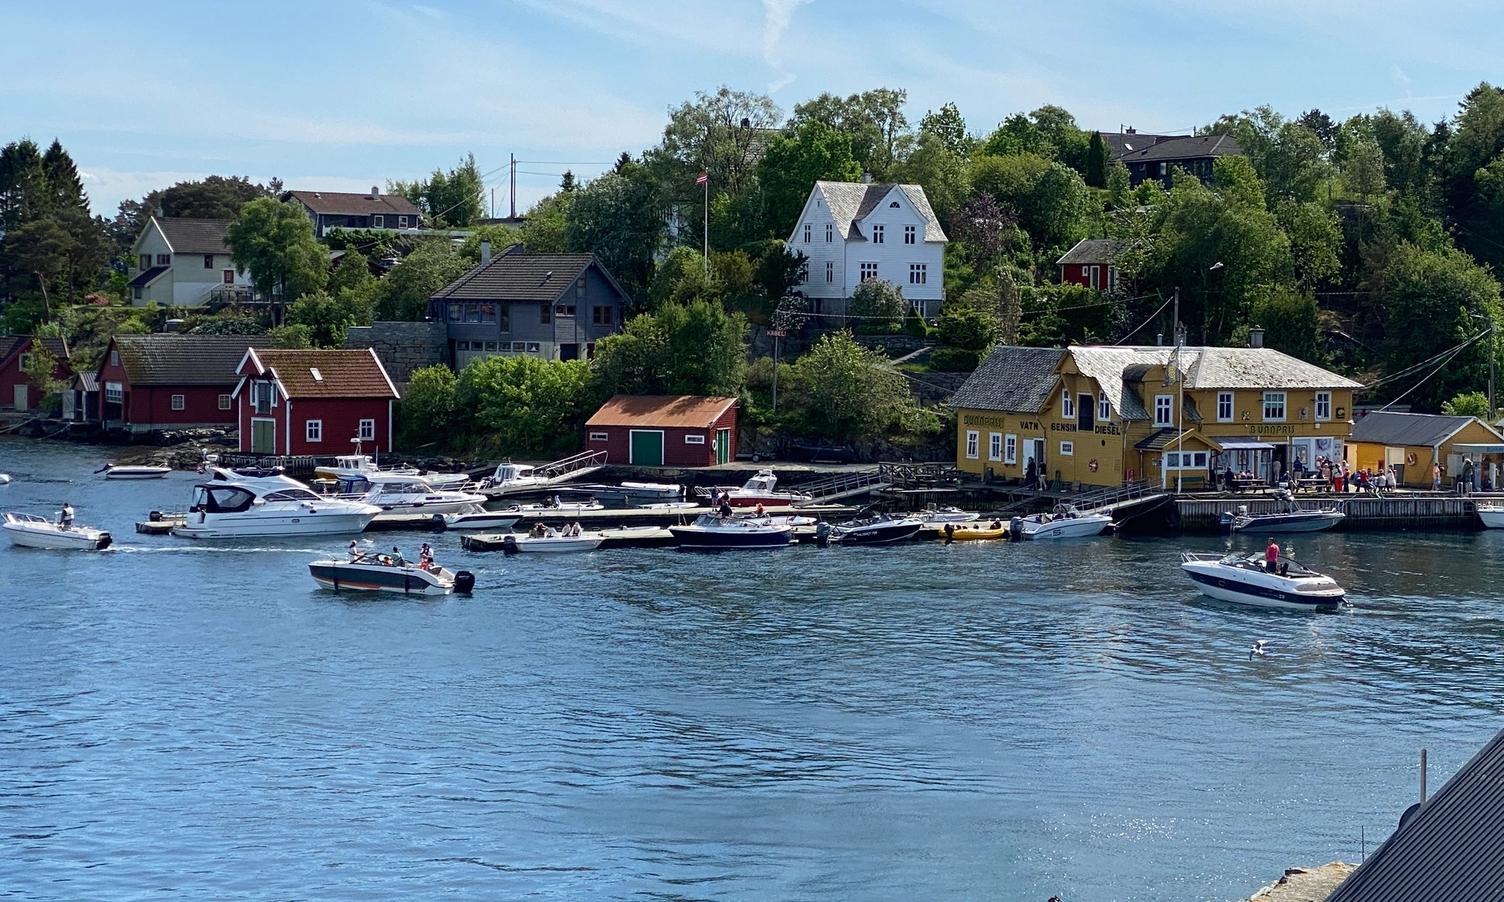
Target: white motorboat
(402, 494)
(878, 531)
(4, 479)
(939, 516)
(480, 519)
(552, 542)
(31, 531)
(1064, 523)
(231, 506)
(508, 478)
(113, 471)
(711, 532)
(382, 573)
(1244, 579)
(348, 465)
(556, 508)
(668, 506)
(763, 489)
(1291, 517)
(1491, 513)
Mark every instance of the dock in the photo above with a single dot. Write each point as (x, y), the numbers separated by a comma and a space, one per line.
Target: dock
(1364, 512)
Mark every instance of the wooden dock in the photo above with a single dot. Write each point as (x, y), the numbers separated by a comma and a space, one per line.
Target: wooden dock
(1363, 512)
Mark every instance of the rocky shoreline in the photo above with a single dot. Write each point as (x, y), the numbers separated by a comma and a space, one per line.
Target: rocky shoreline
(1305, 884)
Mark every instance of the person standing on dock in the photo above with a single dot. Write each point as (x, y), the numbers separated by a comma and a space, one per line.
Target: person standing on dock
(1465, 480)
(1435, 476)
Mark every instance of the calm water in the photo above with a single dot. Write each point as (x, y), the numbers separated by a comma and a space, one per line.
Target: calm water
(977, 721)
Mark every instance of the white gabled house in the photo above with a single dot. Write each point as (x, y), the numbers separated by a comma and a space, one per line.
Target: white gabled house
(179, 262)
(853, 231)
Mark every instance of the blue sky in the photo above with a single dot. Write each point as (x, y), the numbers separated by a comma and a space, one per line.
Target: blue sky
(344, 94)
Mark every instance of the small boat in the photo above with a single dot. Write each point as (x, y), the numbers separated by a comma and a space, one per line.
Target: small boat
(31, 531)
(1244, 579)
(878, 531)
(1491, 513)
(793, 520)
(480, 519)
(359, 464)
(509, 478)
(380, 573)
(552, 543)
(400, 494)
(113, 471)
(668, 506)
(972, 532)
(4, 479)
(942, 515)
(715, 533)
(1293, 518)
(1065, 523)
(556, 507)
(762, 489)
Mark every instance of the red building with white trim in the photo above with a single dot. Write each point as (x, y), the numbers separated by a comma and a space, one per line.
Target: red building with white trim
(16, 391)
(313, 402)
(170, 381)
(664, 430)
(1090, 264)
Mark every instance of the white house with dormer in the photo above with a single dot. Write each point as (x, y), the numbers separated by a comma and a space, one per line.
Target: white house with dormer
(853, 231)
(179, 262)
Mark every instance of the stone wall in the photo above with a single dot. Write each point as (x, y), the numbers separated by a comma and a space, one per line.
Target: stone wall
(403, 347)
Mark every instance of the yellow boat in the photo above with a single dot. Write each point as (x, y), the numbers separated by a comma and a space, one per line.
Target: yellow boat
(968, 532)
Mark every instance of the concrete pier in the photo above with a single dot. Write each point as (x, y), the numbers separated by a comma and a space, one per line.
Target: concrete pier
(1363, 512)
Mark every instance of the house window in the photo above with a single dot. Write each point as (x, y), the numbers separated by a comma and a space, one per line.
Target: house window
(601, 316)
(972, 437)
(995, 446)
(1185, 460)
(164, 259)
(1164, 410)
(137, 293)
(378, 221)
(868, 271)
(877, 234)
(1224, 407)
(830, 232)
(229, 277)
(579, 287)
(1095, 273)
(401, 222)
(565, 310)
(146, 261)
(1067, 404)
(1104, 409)
(1067, 449)
(918, 273)
(599, 437)
(1010, 449)
(546, 314)
(456, 312)
(694, 439)
(910, 234)
(807, 227)
(114, 392)
(313, 430)
(1274, 406)
(504, 318)
(1323, 405)
(368, 430)
(224, 402)
(179, 402)
(208, 261)
(830, 271)
(114, 357)
(893, 205)
(472, 313)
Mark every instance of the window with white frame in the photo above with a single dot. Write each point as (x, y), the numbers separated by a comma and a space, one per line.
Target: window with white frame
(114, 392)
(807, 228)
(830, 232)
(179, 402)
(1185, 460)
(910, 234)
(599, 437)
(224, 402)
(114, 357)
(995, 446)
(401, 222)
(1104, 409)
(1224, 407)
(378, 221)
(1010, 449)
(877, 234)
(694, 439)
(1067, 404)
(830, 271)
(1067, 449)
(1274, 406)
(1164, 410)
(918, 273)
(1323, 405)
(313, 430)
(972, 437)
(869, 271)
(368, 430)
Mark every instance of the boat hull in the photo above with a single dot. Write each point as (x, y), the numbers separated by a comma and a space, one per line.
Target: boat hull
(1493, 518)
(974, 533)
(342, 576)
(1281, 523)
(1269, 593)
(480, 521)
(696, 539)
(885, 534)
(137, 472)
(240, 526)
(558, 545)
(59, 540)
(1066, 528)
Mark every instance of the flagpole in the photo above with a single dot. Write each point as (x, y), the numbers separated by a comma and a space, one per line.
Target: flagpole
(706, 232)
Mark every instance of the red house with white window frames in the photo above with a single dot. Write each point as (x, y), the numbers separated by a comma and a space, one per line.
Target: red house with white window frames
(170, 381)
(1090, 264)
(664, 430)
(314, 402)
(16, 391)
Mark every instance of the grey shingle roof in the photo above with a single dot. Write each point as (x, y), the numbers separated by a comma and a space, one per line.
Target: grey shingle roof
(1119, 143)
(349, 203)
(194, 236)
(147, 276)
(1012, 379)
(1450, 847)
(1385, 427)
(1091, 250)
(1190, 148)
(519, 277)
(185, 359)
(850, 202)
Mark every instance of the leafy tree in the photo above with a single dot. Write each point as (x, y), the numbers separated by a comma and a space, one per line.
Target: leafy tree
(877, 306)
(1050, 200)
(1360, 159)
(616, 218)
(967, 333)
(41, 372)
(352, 274)
(291, 335)
(1468, 404)
(778, 269)
(680, 349)
(426, 412)
(812, 151)
(948, 127)
(997, 298)
(873, 122)
(1119, 185)
(524, 405)
(986, 228)
(1096, 161)
(1289, 157)
(707, 134)
(1016, 136)
(1291, 323)
(1315, 241)
(228, 324)
(672, 272)
(43, 250)
(1320, 125)
(213, 197)
(404, 293)
(328, 317)
(845, 392)
(500, 236)
(452, 198)
(546, 229)
(942, 173)
(1476, 143)
(1403, 141)
(275, 243)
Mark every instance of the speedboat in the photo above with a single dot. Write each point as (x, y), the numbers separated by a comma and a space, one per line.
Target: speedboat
(556, 507)
(552, 542)
(878, 531)
(232, 506)
(480, 519)
(1292, 518)
(358, 464)
(381, 573)
(971, 532)
(1491, 513)
(668, 506)
(400, 494)
(1064, 523)
(31, 531)
(712, 533)
(762, 489)
(509, 477)
(131, 471)
(1244, 579)
(939, 516)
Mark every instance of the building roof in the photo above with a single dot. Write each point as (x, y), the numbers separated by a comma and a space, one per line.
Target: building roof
(14, 344)
(1119, 143)
(1011, 378)
(1448, 847)
(518, 277)
(1388, 427)
(323, 373)
(147, 276)
(662, 411)
(194, 236)
(87, 382)
(9, 343)
(1091, 250)
(172, 359)
(350, 203)
(851, 202)
(1194, 147)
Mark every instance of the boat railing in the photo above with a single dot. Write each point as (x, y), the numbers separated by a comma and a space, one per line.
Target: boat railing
(30, 518)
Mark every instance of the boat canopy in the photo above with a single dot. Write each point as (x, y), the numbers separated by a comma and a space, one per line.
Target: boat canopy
(1240, 443)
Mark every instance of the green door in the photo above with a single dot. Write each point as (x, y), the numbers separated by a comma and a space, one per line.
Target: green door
(263, 436)
(647, 447)
(723, 446)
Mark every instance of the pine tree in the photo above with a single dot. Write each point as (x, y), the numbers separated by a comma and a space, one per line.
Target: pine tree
(23, 184)
(65, 189)
(1096, 161)
(567, 183)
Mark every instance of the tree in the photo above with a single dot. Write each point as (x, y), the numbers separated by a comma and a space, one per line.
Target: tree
(1470, 178)
(41, 249)
(328, 317)
(680, 349)
(985, 228)
(1290, 323)
(845, 392)
(794, 162)
(967, 333)
(546, 229)
(946, 126)
(616, 218)
(721, 133)
(524, 405)
(1360, 159)
(275, 243)
(873, 122)
(404, 293)
(1096, 161)
(1467, 404)
(452, 198)
(1320, 125)
(426, 413)
(1315, 241)
(877, 306)
(41, 371)
(352, 274)
(567, 183)
(940, 171)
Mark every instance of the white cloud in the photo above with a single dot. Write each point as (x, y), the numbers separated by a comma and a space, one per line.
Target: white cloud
(777, 14)
(428, 11)
(1399, 76)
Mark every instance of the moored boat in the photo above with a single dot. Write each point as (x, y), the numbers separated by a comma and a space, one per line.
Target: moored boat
(381, 573)
(1491, 513)
(1064, 523)
(480, 519)
(31, 531)
(1291, 518)
(946, 514)
(762, 489)
(134, 471)
(1245, 579)
(556, 508)
(971, 532)
(402, 494)
(550, 543)
(714, 533)
(878, 531)
(231, 506)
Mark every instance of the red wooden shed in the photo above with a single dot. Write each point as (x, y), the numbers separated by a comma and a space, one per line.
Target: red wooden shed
(170, 381)
(314, 402)
(664, 430)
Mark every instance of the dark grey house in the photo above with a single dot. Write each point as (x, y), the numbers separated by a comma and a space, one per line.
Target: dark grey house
(1194, 154)
(554, 306)
(347, 210)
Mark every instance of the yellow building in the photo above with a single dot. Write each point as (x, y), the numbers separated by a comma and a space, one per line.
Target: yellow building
(1412, 442)
(1102, 416)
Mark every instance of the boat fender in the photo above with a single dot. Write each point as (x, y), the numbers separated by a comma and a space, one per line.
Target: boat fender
(464, 582)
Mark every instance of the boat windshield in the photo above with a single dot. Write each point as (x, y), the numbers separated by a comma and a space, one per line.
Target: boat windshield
(217, 499)
(405, 488)
(292, 495)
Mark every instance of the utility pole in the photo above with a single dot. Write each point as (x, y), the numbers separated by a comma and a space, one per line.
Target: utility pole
(512, 184)
(1179, 397)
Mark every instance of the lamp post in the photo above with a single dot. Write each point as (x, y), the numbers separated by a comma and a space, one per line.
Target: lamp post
(1492, 352)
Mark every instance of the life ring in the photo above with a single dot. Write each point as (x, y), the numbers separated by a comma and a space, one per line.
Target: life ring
(1410, 459)
(1093, 465)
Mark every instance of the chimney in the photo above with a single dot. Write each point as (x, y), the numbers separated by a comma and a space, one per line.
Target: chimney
(1256, 337)
(1131, 131)
(485, 251)
(375, 192)
(866, 178)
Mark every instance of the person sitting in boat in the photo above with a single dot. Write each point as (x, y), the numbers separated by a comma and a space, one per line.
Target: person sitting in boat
(1271, 556)
(354, 551)
(557, 502)
(725, 510)
(397, 559)
(996, 524)
(760, 511)
(65, 516)
(539, 530)
(574, 530)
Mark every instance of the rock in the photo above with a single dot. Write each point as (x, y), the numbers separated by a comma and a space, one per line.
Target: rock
(1305, 884)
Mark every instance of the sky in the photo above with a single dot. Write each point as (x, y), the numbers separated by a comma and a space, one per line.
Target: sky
(341, 95)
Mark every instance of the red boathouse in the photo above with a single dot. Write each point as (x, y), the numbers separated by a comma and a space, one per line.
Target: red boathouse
(314, 402)
(170, 381)
(16, 391)
(664, 430)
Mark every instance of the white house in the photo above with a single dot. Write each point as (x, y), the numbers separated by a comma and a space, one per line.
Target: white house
(185, 263)
(854, 231)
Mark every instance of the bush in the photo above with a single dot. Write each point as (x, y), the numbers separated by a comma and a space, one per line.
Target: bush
(878, 307)
(914, 324)
(955, 360)
(425, 415)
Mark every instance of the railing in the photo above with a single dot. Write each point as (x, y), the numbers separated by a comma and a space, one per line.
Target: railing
(1113, 495)
(924, 475)
(846, 484)
(583, 461)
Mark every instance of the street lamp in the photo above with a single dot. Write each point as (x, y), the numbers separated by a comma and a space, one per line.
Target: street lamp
(1492, 352)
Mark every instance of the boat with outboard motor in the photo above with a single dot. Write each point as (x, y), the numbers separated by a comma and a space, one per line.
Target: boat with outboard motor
(233, 506)
(1246, 579)
(1065, 522)
(31, 531)
(133, 471)
(401, 494)
(1491, 513)
(368, 572)
(546, 540)
(359, 464)
(555, 508)
(712, 532)
(971, 532)
(480, 519)
(940, 515)
(762, 489)
(877, 531)
(1291, 517)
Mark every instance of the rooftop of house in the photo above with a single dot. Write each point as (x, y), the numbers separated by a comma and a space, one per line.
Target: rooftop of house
(1390, 427)
(662, 411)
(514, 276)
(851, 202)
(194, 236)
(173, 359)
(12, 344)
(1119, 143)
(323, 373)
(350, 203)
(1194, 147)
(1091, 250)
(1011, 378)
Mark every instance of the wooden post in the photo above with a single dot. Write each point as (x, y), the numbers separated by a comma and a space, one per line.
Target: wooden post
(1423, 776)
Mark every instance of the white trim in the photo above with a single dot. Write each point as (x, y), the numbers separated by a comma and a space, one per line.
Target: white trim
(1284, 407)
(1316, 407)
(250, 443)
(694, 439)
(360, 429)
(308, 428)
(389, 383)
(995, 446)
(225, 402)
(288, 443)
(177, 402)
(1104, 407)
(1067, 403)
(1067, 449)
(973, 444)
(1232, 406)
(1010, 448)
(600, 436)
(1169, 411)
(389, 420)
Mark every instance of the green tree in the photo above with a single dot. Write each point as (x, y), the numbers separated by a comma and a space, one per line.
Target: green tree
(523, 405)
(546, 229)
(878, 307)
(328, 317)
(1467, 404)
(845, 392)
(1096, 161)
(707, 134)
(1291, 323)
(872, 122)
(967, 333)
(794, 162)
(942, 173)
(452, 198)
(1315, 241)
(291, 335)
(1477, 140)
(616, 218)
(1359, 158)
(679, 349)
(946, 126)
(40, 371)
(274, 242)
(404, 293)
(426, 413)
(352, 275)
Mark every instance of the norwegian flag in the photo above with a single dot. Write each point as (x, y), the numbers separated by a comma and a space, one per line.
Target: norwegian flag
(703, 178)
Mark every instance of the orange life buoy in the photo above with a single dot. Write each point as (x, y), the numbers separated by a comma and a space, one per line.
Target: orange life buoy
(1093, 465)
(1410, 459)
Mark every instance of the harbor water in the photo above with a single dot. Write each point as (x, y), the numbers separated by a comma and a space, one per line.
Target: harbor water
(985, 720)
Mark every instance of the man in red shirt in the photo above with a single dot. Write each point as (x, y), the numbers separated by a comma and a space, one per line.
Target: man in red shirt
(1271, 556)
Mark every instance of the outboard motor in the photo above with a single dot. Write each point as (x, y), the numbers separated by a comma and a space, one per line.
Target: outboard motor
(822, 534)
(509, 545)
(1016, 529)
(155, 516)
(464, 582)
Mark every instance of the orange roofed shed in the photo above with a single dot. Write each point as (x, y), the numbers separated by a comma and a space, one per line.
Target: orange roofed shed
(664, 430)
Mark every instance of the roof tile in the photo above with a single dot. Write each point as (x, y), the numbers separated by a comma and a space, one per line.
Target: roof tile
(341, 373)
(172, 359)
(662, 411)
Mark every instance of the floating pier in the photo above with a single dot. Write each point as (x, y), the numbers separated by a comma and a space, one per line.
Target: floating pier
(1363, 512)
